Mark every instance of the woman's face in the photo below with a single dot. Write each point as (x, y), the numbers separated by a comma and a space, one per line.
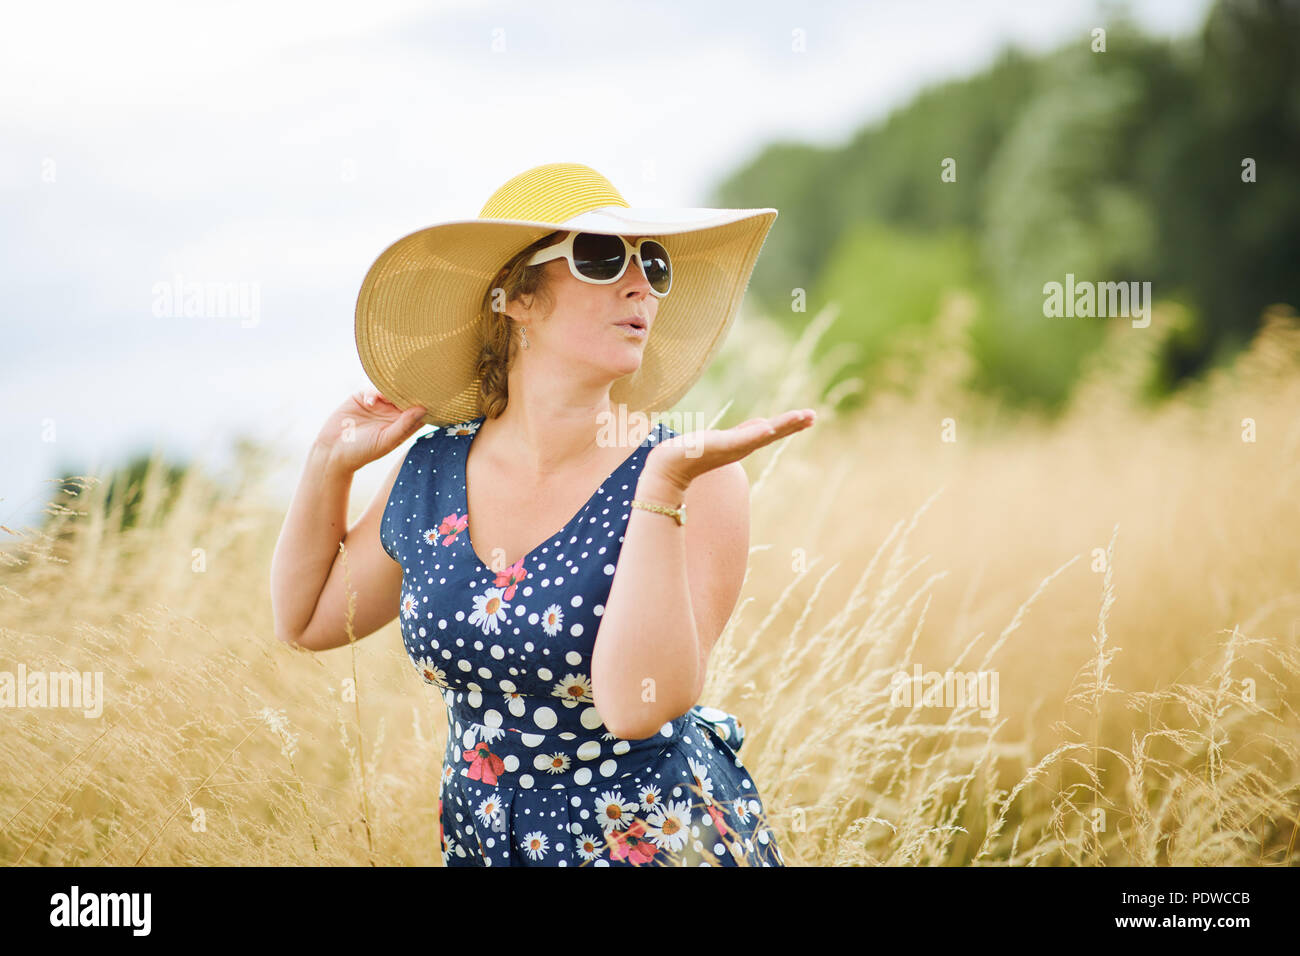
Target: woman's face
(583, 327)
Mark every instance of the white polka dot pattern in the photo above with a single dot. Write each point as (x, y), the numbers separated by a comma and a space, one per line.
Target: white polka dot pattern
(531, 776)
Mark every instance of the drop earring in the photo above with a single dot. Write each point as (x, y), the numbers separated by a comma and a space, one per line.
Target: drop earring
(523, 334)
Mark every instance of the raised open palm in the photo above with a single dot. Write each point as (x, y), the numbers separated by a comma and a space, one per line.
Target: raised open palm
(683, 458)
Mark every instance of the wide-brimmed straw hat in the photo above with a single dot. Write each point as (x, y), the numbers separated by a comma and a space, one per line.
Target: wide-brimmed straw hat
(418, 322)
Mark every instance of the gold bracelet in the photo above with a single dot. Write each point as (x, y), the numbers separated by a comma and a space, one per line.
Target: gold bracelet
(677, 514)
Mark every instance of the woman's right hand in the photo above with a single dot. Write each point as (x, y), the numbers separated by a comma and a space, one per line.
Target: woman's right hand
(365, 427)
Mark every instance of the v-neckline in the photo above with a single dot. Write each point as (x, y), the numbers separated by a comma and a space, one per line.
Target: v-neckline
(464, 481)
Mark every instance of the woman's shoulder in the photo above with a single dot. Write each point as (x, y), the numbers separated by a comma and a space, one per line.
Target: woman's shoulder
(439, 435)
(459, 429)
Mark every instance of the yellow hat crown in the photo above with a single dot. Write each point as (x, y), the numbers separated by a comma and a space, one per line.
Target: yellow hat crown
(555, 192)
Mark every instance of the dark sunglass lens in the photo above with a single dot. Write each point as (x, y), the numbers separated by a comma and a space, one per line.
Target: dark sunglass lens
(596, 256)
(658, 269)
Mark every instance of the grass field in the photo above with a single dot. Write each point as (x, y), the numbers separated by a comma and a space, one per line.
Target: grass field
(1127, 575)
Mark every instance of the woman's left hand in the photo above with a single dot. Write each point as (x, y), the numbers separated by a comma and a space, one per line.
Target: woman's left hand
(683, 458)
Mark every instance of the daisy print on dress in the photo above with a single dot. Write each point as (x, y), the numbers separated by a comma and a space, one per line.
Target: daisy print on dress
(552, 619)
(489, 611)
(431, 672)
(408, 605)
(574, 689)
(590, 848)
(489, 811)
(534, 844)
(464, 428)
(702, 780)
(515, 702)
(614, 812)
(668, 824)
(552, 763)
(484, 733)
(741, 809)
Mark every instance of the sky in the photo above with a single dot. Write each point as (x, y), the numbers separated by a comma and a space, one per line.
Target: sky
(280, 147)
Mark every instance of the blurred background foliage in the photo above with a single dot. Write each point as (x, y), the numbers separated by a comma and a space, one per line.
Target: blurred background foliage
(1122, 165)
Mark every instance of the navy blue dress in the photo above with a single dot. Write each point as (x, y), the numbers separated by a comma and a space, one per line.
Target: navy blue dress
(532, 777)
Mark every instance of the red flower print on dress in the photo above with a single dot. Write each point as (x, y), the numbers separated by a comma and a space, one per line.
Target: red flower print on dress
(484, 764)
(719, 819)
(510, 578)
(451, 526)
(632, 845)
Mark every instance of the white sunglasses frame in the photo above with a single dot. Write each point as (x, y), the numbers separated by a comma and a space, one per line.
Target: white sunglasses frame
(564, 250)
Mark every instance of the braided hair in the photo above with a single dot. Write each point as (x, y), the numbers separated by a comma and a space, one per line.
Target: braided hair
(499, 342)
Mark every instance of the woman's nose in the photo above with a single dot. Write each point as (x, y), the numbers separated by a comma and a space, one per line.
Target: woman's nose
(635, 276)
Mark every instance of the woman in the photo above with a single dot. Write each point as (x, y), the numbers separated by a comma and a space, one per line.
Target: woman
(563, 750)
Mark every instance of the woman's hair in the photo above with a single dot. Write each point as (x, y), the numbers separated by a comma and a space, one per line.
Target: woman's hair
(499, 342)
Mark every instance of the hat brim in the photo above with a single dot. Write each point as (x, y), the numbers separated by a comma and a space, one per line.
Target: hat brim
(417, 320)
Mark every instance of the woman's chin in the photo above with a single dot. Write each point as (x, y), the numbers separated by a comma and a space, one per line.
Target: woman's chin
(628, 364)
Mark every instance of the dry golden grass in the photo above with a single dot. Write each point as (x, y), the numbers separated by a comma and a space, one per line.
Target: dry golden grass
(1130, 576)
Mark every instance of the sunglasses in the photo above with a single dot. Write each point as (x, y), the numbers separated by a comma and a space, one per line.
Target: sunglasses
(601, 259)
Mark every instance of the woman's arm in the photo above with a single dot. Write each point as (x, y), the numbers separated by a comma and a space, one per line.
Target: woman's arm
(309, 542)
(675, 586)
(672, 594)
(309, 584)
